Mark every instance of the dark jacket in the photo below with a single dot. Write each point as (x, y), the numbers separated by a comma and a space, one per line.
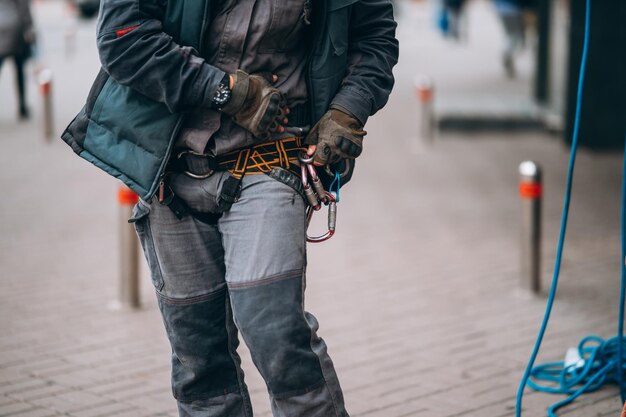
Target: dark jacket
(153, 71)
(16, 24)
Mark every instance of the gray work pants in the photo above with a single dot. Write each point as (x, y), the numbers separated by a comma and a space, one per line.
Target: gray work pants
(245, 274)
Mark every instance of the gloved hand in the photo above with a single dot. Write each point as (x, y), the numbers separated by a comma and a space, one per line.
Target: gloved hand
(255, 105)
(338, 135)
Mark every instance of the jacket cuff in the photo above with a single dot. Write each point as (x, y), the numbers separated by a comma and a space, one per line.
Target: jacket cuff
(354, 102)
(204, 86)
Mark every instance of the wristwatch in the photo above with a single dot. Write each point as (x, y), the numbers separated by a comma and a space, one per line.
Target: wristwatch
(222, 94)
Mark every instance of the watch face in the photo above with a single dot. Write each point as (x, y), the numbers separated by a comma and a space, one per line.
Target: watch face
(221, 96)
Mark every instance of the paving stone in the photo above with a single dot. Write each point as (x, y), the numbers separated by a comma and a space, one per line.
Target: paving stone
(36, 412)
(34, 393)
(71, 401)
(101, 411)
(14, 408)
(133, 412)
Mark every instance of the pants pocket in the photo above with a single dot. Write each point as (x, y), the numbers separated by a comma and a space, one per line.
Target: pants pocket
(141, 220)
(201, 195)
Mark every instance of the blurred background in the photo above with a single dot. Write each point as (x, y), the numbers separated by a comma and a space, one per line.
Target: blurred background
(425, 293)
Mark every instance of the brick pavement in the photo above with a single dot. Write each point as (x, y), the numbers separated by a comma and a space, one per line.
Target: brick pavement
(422, 310)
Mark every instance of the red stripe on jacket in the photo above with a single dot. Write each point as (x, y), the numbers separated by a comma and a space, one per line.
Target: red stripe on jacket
(122, 32)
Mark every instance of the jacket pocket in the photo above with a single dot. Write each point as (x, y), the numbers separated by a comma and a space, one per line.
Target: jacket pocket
(140, 218)
(75, 133)
(286, 28)
(129, 136)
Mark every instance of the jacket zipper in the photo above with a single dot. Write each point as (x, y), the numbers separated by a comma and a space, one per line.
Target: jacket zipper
(201, 47)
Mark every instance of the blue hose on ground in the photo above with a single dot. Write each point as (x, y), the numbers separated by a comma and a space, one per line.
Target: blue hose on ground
(598, 361)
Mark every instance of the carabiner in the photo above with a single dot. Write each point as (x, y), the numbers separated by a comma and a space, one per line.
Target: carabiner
(309, 192)
(317, 184)
(332, 219)
(305, 159)
(316, 194)
(346, 169)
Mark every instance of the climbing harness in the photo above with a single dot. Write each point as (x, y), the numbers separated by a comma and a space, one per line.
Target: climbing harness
(277, 159)
(316, 196)
(594, 362)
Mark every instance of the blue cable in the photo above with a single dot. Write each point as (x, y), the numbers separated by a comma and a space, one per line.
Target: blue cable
(596, 367)
(600, 362)
(593, 357)
(336, 180)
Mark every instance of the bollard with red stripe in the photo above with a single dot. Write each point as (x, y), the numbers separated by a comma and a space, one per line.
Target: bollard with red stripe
(128, 292)
(126, 196)
(531, 193)
(424, 91)
(44, 78)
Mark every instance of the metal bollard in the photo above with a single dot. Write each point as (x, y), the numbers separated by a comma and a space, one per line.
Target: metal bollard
(424, 90)
(70, 41)
(71, 29)
(44, 78)
(531, 190)
(129, 252)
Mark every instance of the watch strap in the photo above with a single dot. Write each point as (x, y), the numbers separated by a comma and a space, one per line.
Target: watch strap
(239, 93)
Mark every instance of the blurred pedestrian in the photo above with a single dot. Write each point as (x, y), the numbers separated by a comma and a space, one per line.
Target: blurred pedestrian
(454, 16)
(511, 13)
(204, 107)
(17, 39)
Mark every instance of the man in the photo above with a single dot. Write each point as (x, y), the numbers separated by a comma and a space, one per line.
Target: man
(202, 107)
(17, 37)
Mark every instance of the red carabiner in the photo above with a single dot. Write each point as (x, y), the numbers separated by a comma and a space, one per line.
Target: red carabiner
(332, 219)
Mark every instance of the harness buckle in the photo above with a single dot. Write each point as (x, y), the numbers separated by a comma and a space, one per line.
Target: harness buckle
(189, 152)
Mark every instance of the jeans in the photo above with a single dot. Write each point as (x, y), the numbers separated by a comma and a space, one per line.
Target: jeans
(244, 275)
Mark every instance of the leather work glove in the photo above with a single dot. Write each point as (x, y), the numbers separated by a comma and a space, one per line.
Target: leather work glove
(338, 135)
(255, 105)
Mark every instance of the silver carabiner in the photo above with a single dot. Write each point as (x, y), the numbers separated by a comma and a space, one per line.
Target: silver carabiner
(309, 192)
(317, 183)
(314, 195)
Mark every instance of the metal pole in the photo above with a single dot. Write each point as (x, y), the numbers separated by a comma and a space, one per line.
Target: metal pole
(531, 190)
(70, 40)
(129, 252)
(424, 90)
(71, 28)
(44, 79)
(542, 67)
